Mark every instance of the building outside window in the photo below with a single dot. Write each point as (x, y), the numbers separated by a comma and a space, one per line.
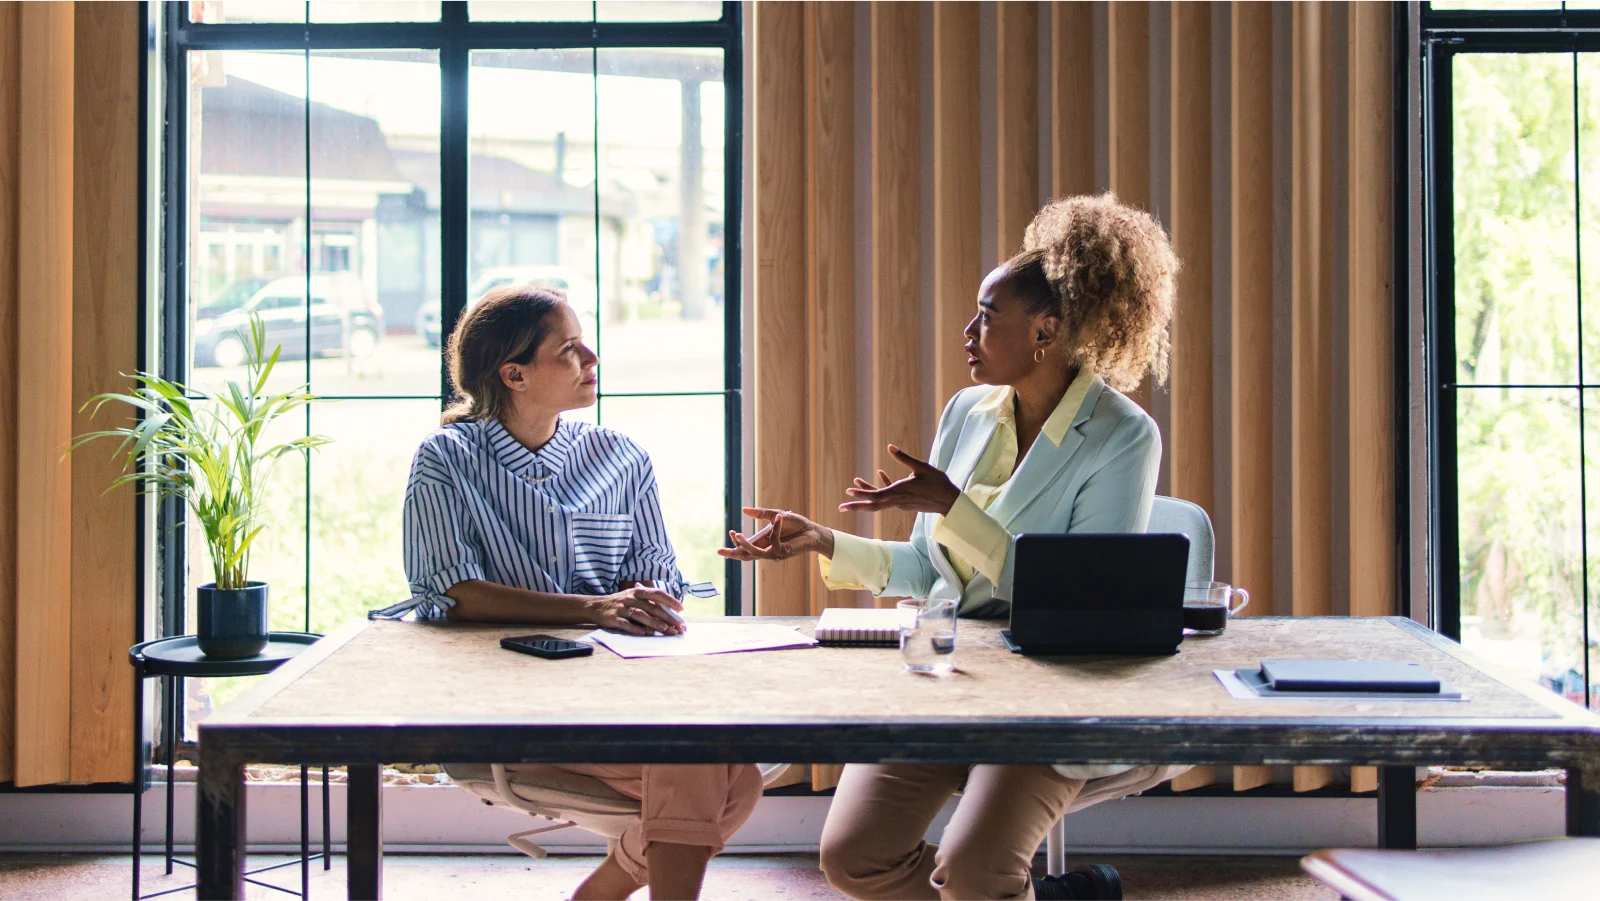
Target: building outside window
(359, 173)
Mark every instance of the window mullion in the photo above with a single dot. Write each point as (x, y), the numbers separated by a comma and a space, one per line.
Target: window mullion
(1583, 456)
(454, 160)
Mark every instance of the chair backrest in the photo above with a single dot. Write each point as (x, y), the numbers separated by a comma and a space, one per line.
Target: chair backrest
(1169, 515)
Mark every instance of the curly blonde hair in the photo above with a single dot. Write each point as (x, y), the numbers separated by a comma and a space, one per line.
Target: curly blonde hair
(1112, 273)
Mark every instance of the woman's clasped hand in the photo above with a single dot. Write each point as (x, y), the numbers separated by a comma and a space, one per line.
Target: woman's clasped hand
(639, 610)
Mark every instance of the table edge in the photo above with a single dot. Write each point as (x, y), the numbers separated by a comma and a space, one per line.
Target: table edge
(1512, 744)
(288, 672)
(1549, 700)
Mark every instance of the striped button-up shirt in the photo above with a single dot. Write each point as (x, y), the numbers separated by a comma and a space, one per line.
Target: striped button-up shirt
(580, 515)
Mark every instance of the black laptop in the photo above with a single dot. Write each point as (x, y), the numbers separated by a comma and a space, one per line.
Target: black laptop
(1098, 594)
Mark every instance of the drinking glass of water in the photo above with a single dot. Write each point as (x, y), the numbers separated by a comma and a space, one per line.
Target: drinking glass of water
(928, 634)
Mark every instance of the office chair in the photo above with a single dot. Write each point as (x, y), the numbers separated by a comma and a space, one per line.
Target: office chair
(1168, 515)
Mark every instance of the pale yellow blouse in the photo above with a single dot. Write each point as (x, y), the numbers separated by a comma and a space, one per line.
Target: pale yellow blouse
(973, 540)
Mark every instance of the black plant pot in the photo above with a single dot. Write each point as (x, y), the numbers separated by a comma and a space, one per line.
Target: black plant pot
(233, 622)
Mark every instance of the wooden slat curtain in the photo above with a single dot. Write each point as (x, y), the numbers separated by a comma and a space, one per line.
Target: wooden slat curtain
(1259, 133)
(69, 163)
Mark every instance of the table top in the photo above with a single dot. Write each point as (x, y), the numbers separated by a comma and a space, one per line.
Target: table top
(1557, 868)
(180, 656)
(831, 703)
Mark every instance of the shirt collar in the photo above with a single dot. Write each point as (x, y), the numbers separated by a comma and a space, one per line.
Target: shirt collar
(518, 459)
(1002, 402)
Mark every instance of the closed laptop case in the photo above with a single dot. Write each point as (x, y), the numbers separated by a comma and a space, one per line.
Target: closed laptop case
(1393, 676)
(1098, 594)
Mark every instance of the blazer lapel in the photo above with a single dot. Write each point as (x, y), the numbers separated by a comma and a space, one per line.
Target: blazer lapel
(1045, 463)
(976, 431)
(941, 561)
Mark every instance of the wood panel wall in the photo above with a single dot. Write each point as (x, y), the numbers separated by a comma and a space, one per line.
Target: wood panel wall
(1311, 313)
(1369, 225)
(1128, 81)
(1016, 177)
(957, 194)
(897, 396)
(779, 298)
(105, 329)
(10, 124)
(1272, 127)
(831, 271)
(69, 169)
(44, 396)
(1190, 218)
(1071, 99)
(1251, 389)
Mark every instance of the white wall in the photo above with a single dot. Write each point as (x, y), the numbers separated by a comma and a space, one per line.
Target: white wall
(441, 819)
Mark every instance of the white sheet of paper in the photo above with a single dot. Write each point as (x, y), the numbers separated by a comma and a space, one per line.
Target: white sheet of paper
(703, 638)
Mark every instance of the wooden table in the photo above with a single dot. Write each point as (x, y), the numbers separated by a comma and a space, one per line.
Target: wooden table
(385, 692)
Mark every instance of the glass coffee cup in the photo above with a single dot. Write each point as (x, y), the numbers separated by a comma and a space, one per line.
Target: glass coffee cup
(1207, 606)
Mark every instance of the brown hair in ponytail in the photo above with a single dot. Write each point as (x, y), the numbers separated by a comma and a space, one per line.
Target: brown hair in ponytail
(506, 325)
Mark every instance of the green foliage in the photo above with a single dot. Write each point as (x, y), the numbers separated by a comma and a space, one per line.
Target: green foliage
(1517, 161)
(207, 450)
(1515, 265)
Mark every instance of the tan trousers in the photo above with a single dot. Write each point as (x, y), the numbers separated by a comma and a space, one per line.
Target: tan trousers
(681, 804)
(872, 843)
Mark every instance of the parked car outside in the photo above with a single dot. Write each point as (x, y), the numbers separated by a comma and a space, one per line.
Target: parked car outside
(580, 291)
(342, 317)
(235, 295)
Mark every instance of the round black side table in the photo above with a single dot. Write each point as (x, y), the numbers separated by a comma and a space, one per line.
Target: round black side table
(172, 659)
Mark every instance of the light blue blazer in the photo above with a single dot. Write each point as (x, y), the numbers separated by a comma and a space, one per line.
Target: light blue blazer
(1101, 478)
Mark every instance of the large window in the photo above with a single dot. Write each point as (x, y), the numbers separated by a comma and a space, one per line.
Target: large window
(1512, 199)
(358, 174)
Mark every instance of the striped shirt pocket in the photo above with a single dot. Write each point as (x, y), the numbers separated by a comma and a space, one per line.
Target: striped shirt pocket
(599, 544)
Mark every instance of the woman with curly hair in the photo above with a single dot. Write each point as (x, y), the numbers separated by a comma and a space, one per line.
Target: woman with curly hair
(1045, 442)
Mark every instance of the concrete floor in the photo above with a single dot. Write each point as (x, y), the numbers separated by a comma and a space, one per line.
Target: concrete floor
(752, 877)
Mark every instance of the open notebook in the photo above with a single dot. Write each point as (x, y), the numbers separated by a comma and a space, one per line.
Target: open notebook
(858, 627)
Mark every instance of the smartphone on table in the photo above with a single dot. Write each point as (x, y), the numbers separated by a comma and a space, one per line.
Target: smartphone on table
(547, 646)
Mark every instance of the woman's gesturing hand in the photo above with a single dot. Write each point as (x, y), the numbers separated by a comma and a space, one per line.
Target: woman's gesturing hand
(926, 490)
(785, 535)
(639, 610)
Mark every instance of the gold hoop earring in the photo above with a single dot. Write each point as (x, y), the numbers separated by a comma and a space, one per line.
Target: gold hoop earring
(1038, 355)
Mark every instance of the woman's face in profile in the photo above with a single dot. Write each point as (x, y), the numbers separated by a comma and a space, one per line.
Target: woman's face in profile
(561, 375)
(1000, 338)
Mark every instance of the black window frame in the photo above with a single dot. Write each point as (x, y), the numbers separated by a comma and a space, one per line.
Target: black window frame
(1442, 36)
(454, 36)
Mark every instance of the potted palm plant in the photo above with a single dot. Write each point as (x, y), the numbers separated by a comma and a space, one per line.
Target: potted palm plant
(208, 451)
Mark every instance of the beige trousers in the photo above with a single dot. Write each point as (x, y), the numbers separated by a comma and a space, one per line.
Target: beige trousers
(681, 804)
(872, 843)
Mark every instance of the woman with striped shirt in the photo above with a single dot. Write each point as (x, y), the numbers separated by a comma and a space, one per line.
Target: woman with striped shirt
(515, 515)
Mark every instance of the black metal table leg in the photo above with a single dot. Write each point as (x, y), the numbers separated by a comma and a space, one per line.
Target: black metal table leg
(220, 833)
(1397, 807)
(364, 831)
(327, 830)
(174, 698)
(305, 832)
(1583, 801)
(138, 773)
